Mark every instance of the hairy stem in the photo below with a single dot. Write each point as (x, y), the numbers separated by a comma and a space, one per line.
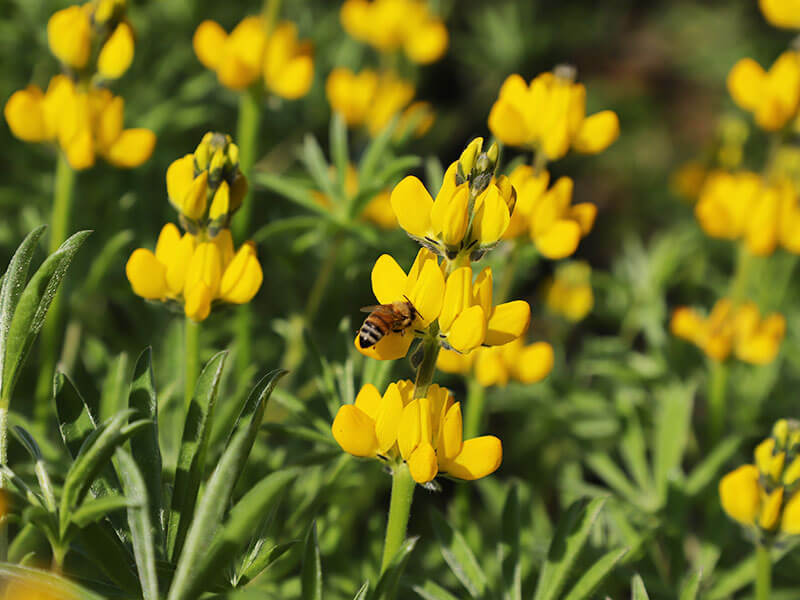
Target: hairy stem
(3, 462)
(763, 572)
(191, 353)
(399, 511)
(430, 349)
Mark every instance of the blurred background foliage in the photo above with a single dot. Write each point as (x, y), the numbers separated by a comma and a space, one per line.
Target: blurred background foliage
(661, 65)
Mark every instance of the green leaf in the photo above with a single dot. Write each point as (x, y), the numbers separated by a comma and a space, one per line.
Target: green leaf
(387, 584)
(595, 575)
(673, 422)
(144, 445)
(458, 556)
(434, 173)
(76, 420)
(263, 559)
(363, 592)
(374, 155)
(141, 528)
(24, 490)
(114, 390)
(510, 561)
(311, 573)
(51, 584)
(314, 160)
(691, 587)
(638, 591)
(339, 151)
(103, 261)
(192, 454)
(707, 471)
(95, 509)
(12, 285)
(299, 193)
(31, 309)
(105, 550)
(569, 538)
(32, 447)
(602, 464)
(730, 581)
(634, 451)
(432, 591)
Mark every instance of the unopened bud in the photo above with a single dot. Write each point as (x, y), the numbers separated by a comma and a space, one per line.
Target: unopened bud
(467, 159)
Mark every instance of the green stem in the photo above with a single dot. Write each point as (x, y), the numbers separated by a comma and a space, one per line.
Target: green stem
(473, 411)
(430, 349)
(717, 385)
(3, 462)
(323, 278)
(191, 353)
(59, 228)
(509, 273)
(744, 266)
(399, 511)
(763, 572)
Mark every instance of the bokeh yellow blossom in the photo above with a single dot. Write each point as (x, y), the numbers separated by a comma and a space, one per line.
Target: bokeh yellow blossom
(84, 123)
(389, 25)
(569, 293)
(764, 495)
(250, 53)
(731, 328)
(549, 116)
(772, 96)
(781, 13)
(426, 432)
(194, 273)
(497, 365)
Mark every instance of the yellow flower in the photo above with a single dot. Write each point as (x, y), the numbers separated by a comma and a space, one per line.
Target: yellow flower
(569, 293)
(471, 212)
(117, 53)
(497, 365)
(423, 286)
(194, 273)
(389, 25)
(549, 116)
(772, 96)
(732, 328)
(248, 54)
(557, 225)
(425, 432)
(764, 495)
(530, 186)
(69, 33)
(781, 13)
(84, 123)
(207, 187)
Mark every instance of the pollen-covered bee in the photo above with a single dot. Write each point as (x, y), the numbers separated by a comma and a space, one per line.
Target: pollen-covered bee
(383, 318)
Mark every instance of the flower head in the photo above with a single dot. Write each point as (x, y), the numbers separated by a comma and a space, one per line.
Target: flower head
(425, 432)
(251, 53)
(772, 96)
(765, 495)
(389, 25)
(497, 365)
(569, 293)
(549, 115)
(207, 187)
(732, 328)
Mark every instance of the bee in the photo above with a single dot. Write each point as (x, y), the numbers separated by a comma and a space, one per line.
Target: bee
(383, 318)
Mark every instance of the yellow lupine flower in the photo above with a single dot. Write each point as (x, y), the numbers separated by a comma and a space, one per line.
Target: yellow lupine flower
(764, 495)
(549, 115)
(69, 33)
(425, 432)
(423, 286)
(530, 186)
(569, 293)
(497, 365)
(737, 329)
(195, 273)
(117, 53)
(389, 25)
(781, 13)
(248, 54)
(772, 96)
(557, 225)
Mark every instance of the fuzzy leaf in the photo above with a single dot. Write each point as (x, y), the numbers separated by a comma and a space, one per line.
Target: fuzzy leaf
(458, 556)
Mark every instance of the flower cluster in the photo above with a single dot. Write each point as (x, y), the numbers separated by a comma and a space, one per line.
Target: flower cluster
(764, 496)
(200, 267)
(569, 293)
(782, 13)
(772, 96)
(732, 328)
(549, 116)
(763, 213)
(254, 51)
(83, 118)
(390, 25)
(497, 365)
(425, 432)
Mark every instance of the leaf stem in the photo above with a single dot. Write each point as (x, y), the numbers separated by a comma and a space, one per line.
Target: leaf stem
(717, 386)
(763, 572)
(191, 360)
(59, 228)
(399, 511)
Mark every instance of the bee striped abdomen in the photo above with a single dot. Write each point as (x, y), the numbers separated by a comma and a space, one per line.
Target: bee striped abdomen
(382, 319)
(373, 329)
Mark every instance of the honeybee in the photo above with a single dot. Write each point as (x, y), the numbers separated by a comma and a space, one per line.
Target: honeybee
(383, 318)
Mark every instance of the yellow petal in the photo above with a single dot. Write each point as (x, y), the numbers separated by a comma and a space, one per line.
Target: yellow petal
(194, 202)
(24, 115)
(387, 422)
(507, 123)
(177, 263)
(739, 493)
(109, 119)
(451, 361)
(69, 36)
(388, 280)
(80, 150)
(482, 290)
(369, 400)
(508, 322)
(452, 433)
(490, 368)
(422, 463)
(224, 241)
(208, 41)
(428, 43)
(597, 132)
(790, 522)
(449, 216)
(479, 457)
(781, 13)
(409, 431)
(197, 301)
(117, 53)
(295, 79)
(412, 205)
(205, 267)
(560, 241)
(180, 175)
(457, 296)
(220, 205)
(469, 330)
(534, 363)
(745, 83)
(354, 431)
(243, 277)
(390, 347)
(426, 294)
(584, 214)
(241, 60)
(132, 148)
(491, 217)
(146, 275)
(168, 240)
(288, 68)
(771, 511)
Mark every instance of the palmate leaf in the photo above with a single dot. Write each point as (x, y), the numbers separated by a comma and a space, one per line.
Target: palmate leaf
(30, 310)
(458, 556)
(595, 575)
(314, 160)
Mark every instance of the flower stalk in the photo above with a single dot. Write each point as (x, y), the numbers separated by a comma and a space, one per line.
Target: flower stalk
(399, 512)
(763, 572)
(192, 359)
(473, 411)
(3, 462)
(717, 387)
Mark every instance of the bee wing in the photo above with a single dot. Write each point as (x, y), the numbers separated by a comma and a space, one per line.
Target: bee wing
(369, 309)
